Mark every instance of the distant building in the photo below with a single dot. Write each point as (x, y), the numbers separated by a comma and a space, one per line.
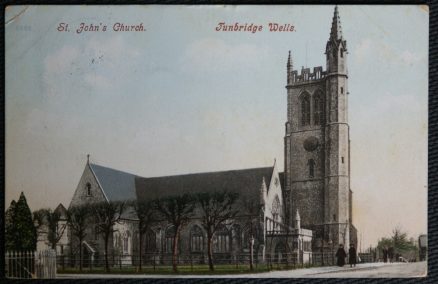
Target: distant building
(422, 246)
(62, 247)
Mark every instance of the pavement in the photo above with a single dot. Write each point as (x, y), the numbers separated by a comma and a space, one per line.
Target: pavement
(366, 270)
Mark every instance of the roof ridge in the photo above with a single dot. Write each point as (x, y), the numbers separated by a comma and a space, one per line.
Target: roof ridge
(212, 172)
(93, 164)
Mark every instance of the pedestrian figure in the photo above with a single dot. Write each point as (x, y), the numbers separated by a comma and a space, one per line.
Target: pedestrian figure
(352, 255)
(341, 255)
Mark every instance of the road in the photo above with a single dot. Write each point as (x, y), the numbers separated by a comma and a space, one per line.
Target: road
(367, 270)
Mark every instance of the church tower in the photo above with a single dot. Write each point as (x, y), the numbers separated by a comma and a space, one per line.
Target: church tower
(317, 145)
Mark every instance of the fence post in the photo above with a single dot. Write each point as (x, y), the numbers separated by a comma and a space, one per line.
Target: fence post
(91, 262)
(14, 264)
(63, 262)
(154, 262)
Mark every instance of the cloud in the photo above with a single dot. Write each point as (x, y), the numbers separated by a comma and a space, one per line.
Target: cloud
(362, 50)
(370, 50)
(98, 81)
(56, 65)
(61, 60)
(98, 63)
(216, 54)
(410, 58)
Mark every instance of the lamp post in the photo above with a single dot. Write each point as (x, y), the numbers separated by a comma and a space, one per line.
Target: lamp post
(330, 242)
(251, 253)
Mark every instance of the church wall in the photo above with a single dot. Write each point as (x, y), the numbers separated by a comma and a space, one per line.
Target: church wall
(274, 191)
(307, 192)
(308, 198)
(80, 196)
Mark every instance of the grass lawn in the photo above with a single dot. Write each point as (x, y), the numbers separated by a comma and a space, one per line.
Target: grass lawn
(182, 269)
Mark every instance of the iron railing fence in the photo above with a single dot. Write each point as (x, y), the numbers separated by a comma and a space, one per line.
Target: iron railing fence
(154, 261)
(30, 264)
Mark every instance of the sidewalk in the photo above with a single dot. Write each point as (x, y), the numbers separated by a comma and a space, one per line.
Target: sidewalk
(296, 273)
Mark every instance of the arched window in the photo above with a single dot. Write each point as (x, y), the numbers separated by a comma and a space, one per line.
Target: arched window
(221, 241)
(169, 237)
(196, 239)
(276, 207)
(88, 188)
(305, 110)
(342, 52)
(126, 237)
(117, 240)
(150, 241)
(317, 109)
(247, 232)
(311, 168)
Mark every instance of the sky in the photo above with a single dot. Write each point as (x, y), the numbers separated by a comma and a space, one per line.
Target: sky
(181, 97)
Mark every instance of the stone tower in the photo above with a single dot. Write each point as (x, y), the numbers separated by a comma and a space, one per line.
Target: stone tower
(317, 145)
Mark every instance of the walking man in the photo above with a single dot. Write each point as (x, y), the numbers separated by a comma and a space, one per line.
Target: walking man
(352, 255)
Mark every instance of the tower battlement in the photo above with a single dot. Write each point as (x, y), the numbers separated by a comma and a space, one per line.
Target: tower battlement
(305, 75)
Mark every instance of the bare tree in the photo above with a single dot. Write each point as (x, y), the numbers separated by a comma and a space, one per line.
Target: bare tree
(177, 210)
(216, 209)
(251, 213)
(145, 211)
(107, 214)
(55, 231)
(38, 221)
(77, 218)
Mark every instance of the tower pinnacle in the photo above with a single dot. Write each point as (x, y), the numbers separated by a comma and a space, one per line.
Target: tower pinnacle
(289, 62)
(336, 31)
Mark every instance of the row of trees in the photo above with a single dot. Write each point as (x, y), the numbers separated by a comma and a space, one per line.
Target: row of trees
(398, 242)
(213, 208)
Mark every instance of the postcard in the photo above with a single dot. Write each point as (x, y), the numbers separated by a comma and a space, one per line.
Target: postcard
(216, 141)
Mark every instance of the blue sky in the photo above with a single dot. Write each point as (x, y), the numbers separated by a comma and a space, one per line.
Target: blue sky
(181, 97)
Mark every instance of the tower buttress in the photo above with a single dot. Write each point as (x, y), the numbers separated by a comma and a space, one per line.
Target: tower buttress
(337, 141)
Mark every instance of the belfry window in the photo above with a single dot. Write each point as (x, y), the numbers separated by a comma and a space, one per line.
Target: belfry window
(317, 110)
(311, 168)
(305, 110)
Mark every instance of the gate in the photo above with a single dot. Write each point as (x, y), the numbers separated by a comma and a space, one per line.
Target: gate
(30, 264)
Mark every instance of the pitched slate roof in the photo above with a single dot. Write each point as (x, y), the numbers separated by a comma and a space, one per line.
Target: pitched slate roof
(117, 185)
(246, 182)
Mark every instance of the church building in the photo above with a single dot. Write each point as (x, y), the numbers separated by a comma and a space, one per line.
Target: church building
(306, 208)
